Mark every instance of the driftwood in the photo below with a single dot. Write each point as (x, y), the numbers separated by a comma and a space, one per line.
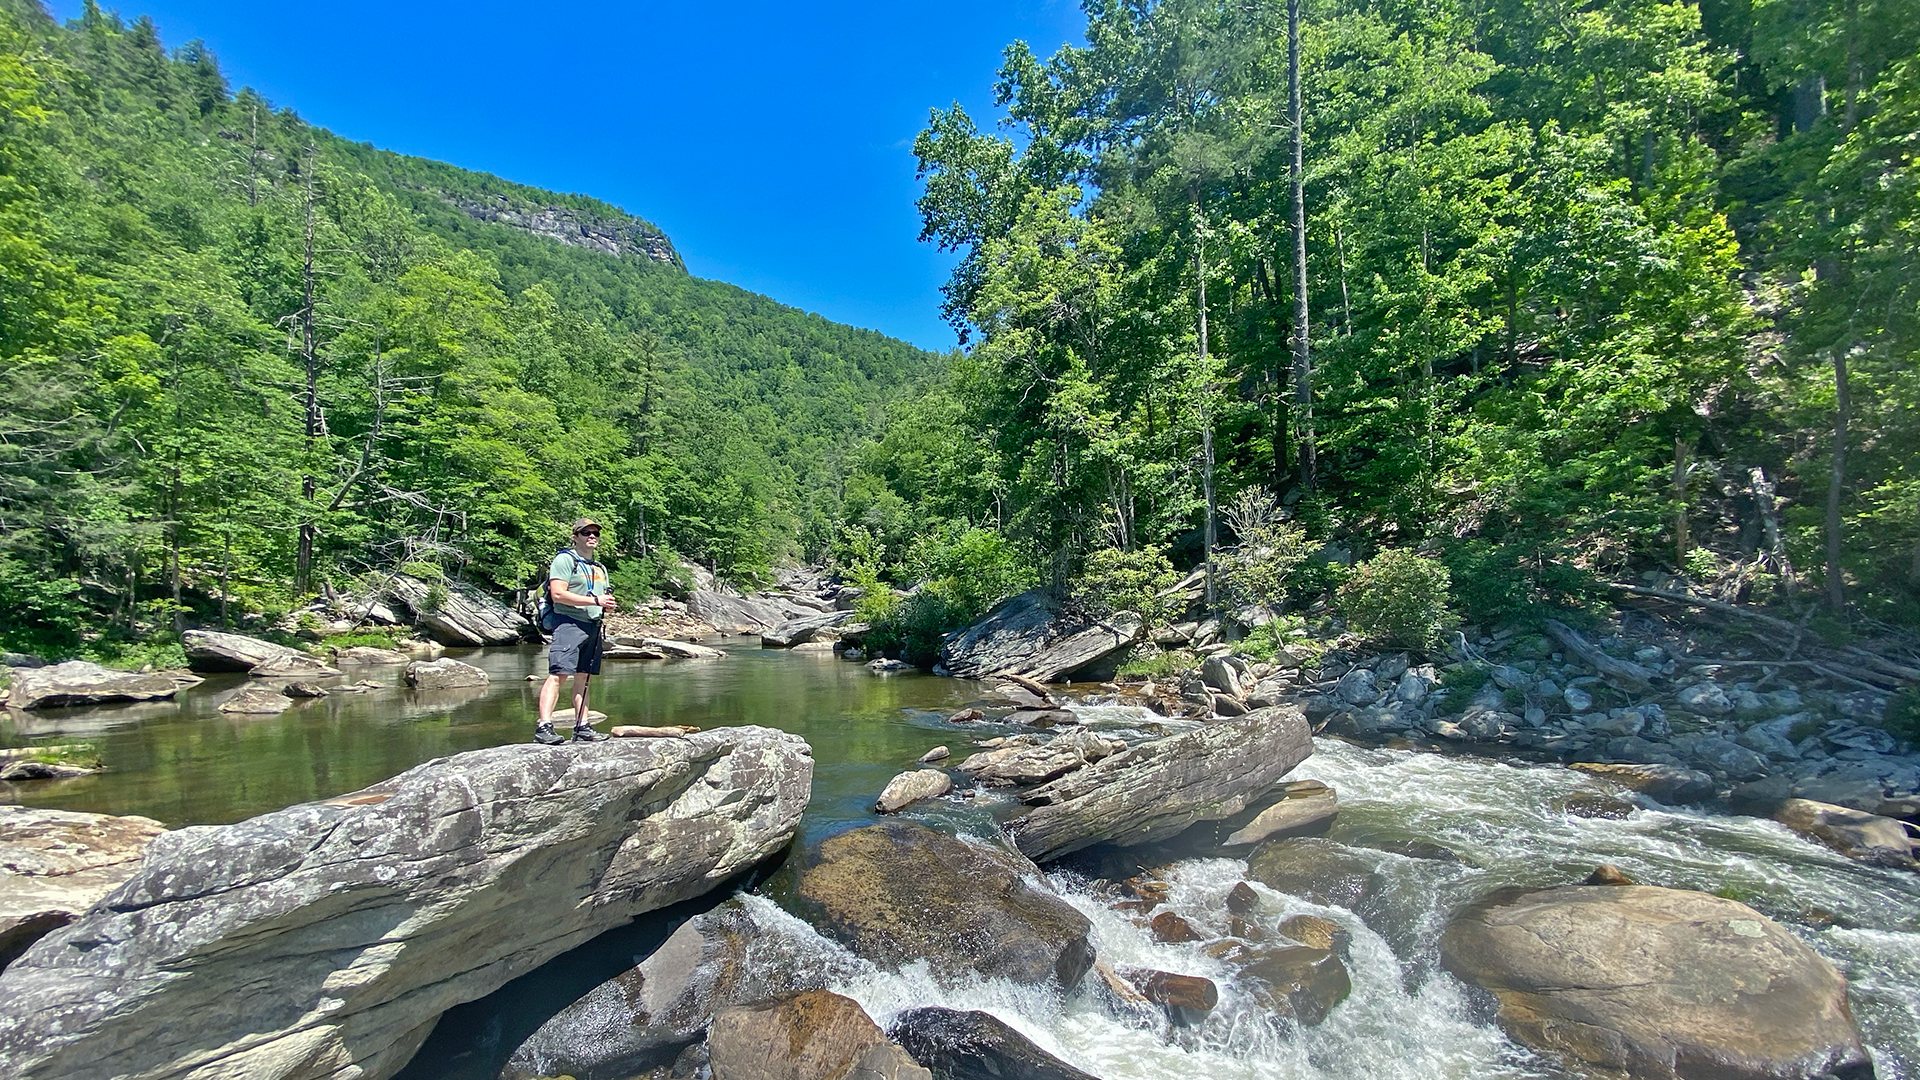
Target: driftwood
(634, 731)
(1623, 674)
(1034, 687)
(1862, 668)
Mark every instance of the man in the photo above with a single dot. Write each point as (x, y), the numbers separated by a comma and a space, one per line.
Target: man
(581, 595)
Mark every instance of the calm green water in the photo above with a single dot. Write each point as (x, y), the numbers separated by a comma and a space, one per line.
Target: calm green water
(187, 763)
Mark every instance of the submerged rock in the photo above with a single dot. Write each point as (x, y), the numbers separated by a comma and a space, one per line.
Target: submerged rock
(643, 1017)
(1657, 982)
(1297, 981)
(809, 1035)
(1187, 999)
(55, 864)
(353, 923)
(1158, 789)
(292, 666)
(78, 682)
(1320, 870)
(900, 892)
(960, 1045)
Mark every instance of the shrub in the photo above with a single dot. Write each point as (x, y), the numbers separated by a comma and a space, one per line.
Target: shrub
(367, 639)
(1270, 549)
(44, 614)
(1314, 579)
(968, 569)
(1903, 715)
(1150, 661)
(1116, 580)
(1498, 583)
(425, 571)
(1398, 598)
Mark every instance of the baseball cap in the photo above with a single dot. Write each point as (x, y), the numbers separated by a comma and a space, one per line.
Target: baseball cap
(584, 524)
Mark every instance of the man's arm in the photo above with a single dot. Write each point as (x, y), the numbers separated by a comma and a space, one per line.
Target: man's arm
(563, 595)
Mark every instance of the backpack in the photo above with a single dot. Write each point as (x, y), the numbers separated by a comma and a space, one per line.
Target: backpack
(543, 607)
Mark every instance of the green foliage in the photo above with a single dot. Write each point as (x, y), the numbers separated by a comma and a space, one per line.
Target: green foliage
(1265, 642)
(1152, 663)
(44, 613)
(1398, 598)
(1116, 580)
(1315, 579)
(477, 385)
(1903, 715)
(1496, 584)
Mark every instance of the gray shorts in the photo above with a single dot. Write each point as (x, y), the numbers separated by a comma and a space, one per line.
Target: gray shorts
(575, 649)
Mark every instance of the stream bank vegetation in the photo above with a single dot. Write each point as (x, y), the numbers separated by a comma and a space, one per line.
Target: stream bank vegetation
(1495, 310)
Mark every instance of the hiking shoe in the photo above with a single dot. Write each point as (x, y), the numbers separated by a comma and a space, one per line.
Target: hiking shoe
(587, 734)
(546, 736)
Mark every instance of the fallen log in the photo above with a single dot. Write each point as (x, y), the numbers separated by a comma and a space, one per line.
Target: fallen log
(1623, 674)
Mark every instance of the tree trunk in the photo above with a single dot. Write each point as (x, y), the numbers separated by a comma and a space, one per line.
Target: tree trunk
(1302, 361)
(1682, 542)
(303, 559)
(1206, 396)
(1836, 584)
(1768, 509)
(1281, 465)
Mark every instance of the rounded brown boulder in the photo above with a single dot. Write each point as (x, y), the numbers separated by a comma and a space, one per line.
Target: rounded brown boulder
(1657, 982)
(898, 892)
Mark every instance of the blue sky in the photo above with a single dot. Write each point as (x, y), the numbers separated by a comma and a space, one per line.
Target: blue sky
(772, 142)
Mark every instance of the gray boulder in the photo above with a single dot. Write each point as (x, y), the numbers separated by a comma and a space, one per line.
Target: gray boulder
(1724, 757)
(641, 1018)
(1657, 982)
(453, 613)
(807, 1035)
(1038, 763)
(1013, 630)
(1357, 687)
(1158, 789)
(256, 701)
(1024, 635)
(1322, 871)
(292, 666)
(55, 864)
(899, 892)
(796, 631)
(1226, 674)
(445, 673)
(1669, 784)
(1303, 808)
(1704, 699)
(1868, 838)
(325, 940)
(912, 786)
(210, 650)
(368, 656)
(78, 682)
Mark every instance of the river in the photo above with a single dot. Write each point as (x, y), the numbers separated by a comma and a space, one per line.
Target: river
(187, 763)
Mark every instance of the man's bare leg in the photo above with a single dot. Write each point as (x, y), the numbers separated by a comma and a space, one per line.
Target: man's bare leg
(581, 684)
(549, 697)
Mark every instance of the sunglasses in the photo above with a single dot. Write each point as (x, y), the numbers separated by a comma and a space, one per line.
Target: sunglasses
(588, 532)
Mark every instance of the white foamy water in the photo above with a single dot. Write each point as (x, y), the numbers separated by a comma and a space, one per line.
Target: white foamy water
(1405, 1018)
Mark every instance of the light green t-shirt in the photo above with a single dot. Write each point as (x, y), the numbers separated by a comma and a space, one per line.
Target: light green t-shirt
(583, 576)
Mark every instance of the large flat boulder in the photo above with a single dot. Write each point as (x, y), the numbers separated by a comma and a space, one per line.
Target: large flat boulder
(78, 682)
(211, 650)
(1657, 982)
(1022, 763)
(1005, 637)
(445, 673)
(55, 864)
(900, 892)
(643, 1017)
(325, 940)
(1026, 635)
(1158, 789)
(453, 613)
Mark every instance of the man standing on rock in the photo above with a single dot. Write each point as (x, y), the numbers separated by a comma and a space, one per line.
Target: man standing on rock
(581, 595)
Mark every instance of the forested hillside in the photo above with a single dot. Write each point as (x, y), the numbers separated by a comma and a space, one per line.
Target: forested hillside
(1551, 292)
(245, 359)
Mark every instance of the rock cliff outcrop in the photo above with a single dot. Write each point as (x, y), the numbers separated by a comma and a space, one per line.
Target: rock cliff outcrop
(572, 226)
